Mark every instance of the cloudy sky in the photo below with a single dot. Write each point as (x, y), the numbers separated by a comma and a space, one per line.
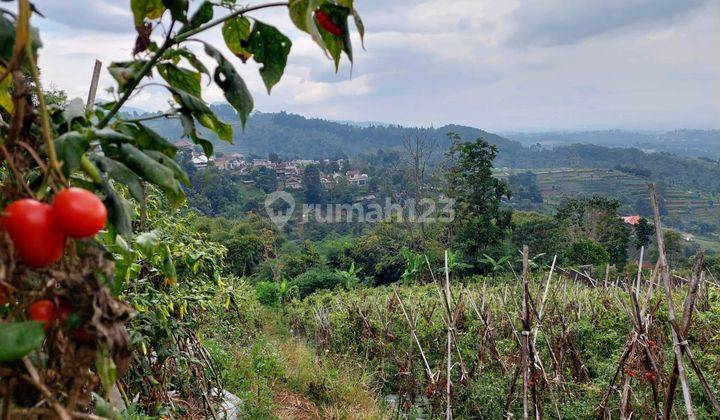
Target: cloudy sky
(502, 65)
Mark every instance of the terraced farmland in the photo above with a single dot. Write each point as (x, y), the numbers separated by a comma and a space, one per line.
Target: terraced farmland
(686, 210)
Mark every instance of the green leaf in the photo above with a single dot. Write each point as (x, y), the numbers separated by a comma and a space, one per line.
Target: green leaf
(108, 134)
(270, 48)
(118, 210)
(75, 109)
(336, 45)
(211, 121)
(151, 9)
(148, 139)
(178, 9)
(180, 78)
(189, 131)
(17, 339)
(202, 15)
(167, 265)
(302, 15)
(70, 147)
(120, 173)
(176, 54)
(6, 101)
(125, 72)
(147, 167)
(202, 113)
(152, 171)
(147, 243)
(106, 369)
(233, 86)
(236, 32)
(191, 102)
(7, 39)
(167, 161)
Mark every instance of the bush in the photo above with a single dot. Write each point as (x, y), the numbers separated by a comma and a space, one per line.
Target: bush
(315, 279)
(587, 252)
(268, 293)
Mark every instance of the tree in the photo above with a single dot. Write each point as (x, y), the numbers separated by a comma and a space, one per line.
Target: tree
(481, 220)
(644, 231)
(419, 150)
(524, 187)
(595, 219)
(244, 254)
(311, 185)
(273, 157)
(265, 179)
(586, 251)
(541, 233)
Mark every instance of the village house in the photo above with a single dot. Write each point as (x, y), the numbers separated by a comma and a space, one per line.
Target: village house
(356, 178)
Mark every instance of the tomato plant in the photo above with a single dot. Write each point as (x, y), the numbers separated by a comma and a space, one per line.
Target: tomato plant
(99, 168)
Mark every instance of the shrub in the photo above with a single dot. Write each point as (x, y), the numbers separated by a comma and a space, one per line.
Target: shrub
(587, 252)
(315, 279)
(268, 293)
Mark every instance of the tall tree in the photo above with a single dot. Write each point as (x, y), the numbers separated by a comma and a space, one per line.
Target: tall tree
(481, 221)
(312, 185)
(419, 150)
(266, 179)
(643, 233)
(595, 219)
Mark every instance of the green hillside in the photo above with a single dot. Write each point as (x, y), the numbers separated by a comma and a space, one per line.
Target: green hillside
(684, 209)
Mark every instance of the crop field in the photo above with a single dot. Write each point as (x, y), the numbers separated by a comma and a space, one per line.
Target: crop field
(400, 335)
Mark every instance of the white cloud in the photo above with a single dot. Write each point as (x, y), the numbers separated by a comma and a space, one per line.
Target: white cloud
(517, 64)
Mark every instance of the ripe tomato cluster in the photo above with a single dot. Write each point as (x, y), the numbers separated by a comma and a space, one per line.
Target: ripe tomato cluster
(325, 21)
(38, 230)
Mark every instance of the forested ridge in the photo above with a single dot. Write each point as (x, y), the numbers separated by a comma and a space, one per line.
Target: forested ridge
(292, 135)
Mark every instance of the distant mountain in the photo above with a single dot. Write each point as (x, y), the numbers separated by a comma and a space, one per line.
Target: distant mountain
(294, 136)
(691, 143)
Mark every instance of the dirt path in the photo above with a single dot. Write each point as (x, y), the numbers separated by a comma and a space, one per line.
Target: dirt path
(295, 406)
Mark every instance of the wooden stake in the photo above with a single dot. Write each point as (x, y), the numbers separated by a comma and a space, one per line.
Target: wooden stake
(671, 309)
(94, 84)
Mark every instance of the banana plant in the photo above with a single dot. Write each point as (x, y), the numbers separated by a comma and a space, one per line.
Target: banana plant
(349, 277)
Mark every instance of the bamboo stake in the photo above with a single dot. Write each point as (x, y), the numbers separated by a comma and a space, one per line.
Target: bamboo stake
(448, 410)
(94, 84)
(671, 310)
(415, 337)
(639, 275)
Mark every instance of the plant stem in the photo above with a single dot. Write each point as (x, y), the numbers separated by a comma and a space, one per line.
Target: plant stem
(185, 35)
(24, 21)
(150, 117)
(169, 42)
(146, 68)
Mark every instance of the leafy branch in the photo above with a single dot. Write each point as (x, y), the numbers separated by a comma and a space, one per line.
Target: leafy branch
(171, 41)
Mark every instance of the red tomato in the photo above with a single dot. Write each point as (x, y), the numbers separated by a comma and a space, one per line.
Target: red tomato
(325, 22)
(651, 343)
(79, 213)
(37, 240)
(43, 311)
(649, 376)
